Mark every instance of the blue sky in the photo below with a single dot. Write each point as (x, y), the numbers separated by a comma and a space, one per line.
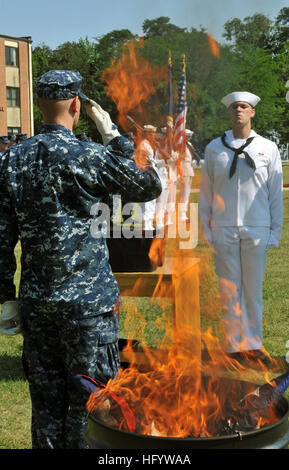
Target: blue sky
(53, 22)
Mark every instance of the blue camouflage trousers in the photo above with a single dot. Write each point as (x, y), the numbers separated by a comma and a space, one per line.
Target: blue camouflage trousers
(56, 347)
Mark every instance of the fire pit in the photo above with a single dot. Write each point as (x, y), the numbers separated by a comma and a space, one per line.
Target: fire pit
(100, 436)
(271, 436)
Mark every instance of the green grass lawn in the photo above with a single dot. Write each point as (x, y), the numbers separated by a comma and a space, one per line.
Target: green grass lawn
(14, 395)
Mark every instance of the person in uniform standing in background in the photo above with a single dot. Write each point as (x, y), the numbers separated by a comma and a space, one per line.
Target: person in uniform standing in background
(4, 144)
(186, 175)
(172, 166)
(21, 138)
(241, 210)
(146, 151)
(162, 170)
(68, 297)
(12, 140)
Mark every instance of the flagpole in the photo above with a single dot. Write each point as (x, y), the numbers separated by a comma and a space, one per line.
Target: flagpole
(170, 119)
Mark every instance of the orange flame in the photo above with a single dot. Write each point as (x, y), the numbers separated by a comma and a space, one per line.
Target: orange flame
(157, 251)
(219, 203)
(131, 81)
(171, 398)
(214, 46)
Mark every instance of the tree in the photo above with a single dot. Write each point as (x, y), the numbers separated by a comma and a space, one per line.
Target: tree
(206, 77)
(263, 46)
(281, 32)
(81, 56)
(256, 60)
(110, 45)
(40, 60)
(160, 26)
(41, 56)
(255, 30)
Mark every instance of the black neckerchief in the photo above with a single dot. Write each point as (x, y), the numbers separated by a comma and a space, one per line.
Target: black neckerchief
(237, 152)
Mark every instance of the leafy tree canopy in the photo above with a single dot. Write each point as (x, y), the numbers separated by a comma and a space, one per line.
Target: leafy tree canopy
(255, 59)
(160, 26)
(255, 30)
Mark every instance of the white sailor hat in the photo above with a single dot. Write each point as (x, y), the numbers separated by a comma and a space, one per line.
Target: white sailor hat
(240, 96)
(189, 133)
(150, 128)
(9, 319)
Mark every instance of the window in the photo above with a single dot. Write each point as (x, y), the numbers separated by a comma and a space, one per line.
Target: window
(11, 56)
(13, 96)
(13, 130)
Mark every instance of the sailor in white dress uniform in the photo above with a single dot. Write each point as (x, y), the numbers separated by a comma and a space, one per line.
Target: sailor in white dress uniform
(241, 211)
(186, 176)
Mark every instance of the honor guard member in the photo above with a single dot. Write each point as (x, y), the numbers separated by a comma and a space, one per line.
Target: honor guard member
(172, 168)
(50, 186)
(186, 175)
(162, 171)
(146, 150)
(241, 210)
(4, 144)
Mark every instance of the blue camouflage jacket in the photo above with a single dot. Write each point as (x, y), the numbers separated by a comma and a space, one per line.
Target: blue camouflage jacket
(48, 185)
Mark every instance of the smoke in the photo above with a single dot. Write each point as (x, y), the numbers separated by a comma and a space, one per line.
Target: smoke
(208, 14)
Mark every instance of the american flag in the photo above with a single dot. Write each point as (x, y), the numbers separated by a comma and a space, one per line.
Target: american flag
(170, 119)
(180, 122)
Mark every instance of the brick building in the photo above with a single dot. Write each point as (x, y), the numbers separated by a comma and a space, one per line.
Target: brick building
(16, 97)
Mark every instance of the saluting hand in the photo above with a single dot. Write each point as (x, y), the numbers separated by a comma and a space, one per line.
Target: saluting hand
(107, 129)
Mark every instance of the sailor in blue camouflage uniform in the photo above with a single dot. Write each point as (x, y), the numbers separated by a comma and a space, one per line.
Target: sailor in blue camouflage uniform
(4, 144)
(68, 295)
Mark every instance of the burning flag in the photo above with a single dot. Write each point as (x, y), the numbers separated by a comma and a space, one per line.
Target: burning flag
(180, 123)
(262, 406)
(105, 397)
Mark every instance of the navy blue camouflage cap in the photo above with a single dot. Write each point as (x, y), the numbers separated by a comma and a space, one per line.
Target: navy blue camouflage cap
(60, 85)
(21, 137)
(4, 139)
